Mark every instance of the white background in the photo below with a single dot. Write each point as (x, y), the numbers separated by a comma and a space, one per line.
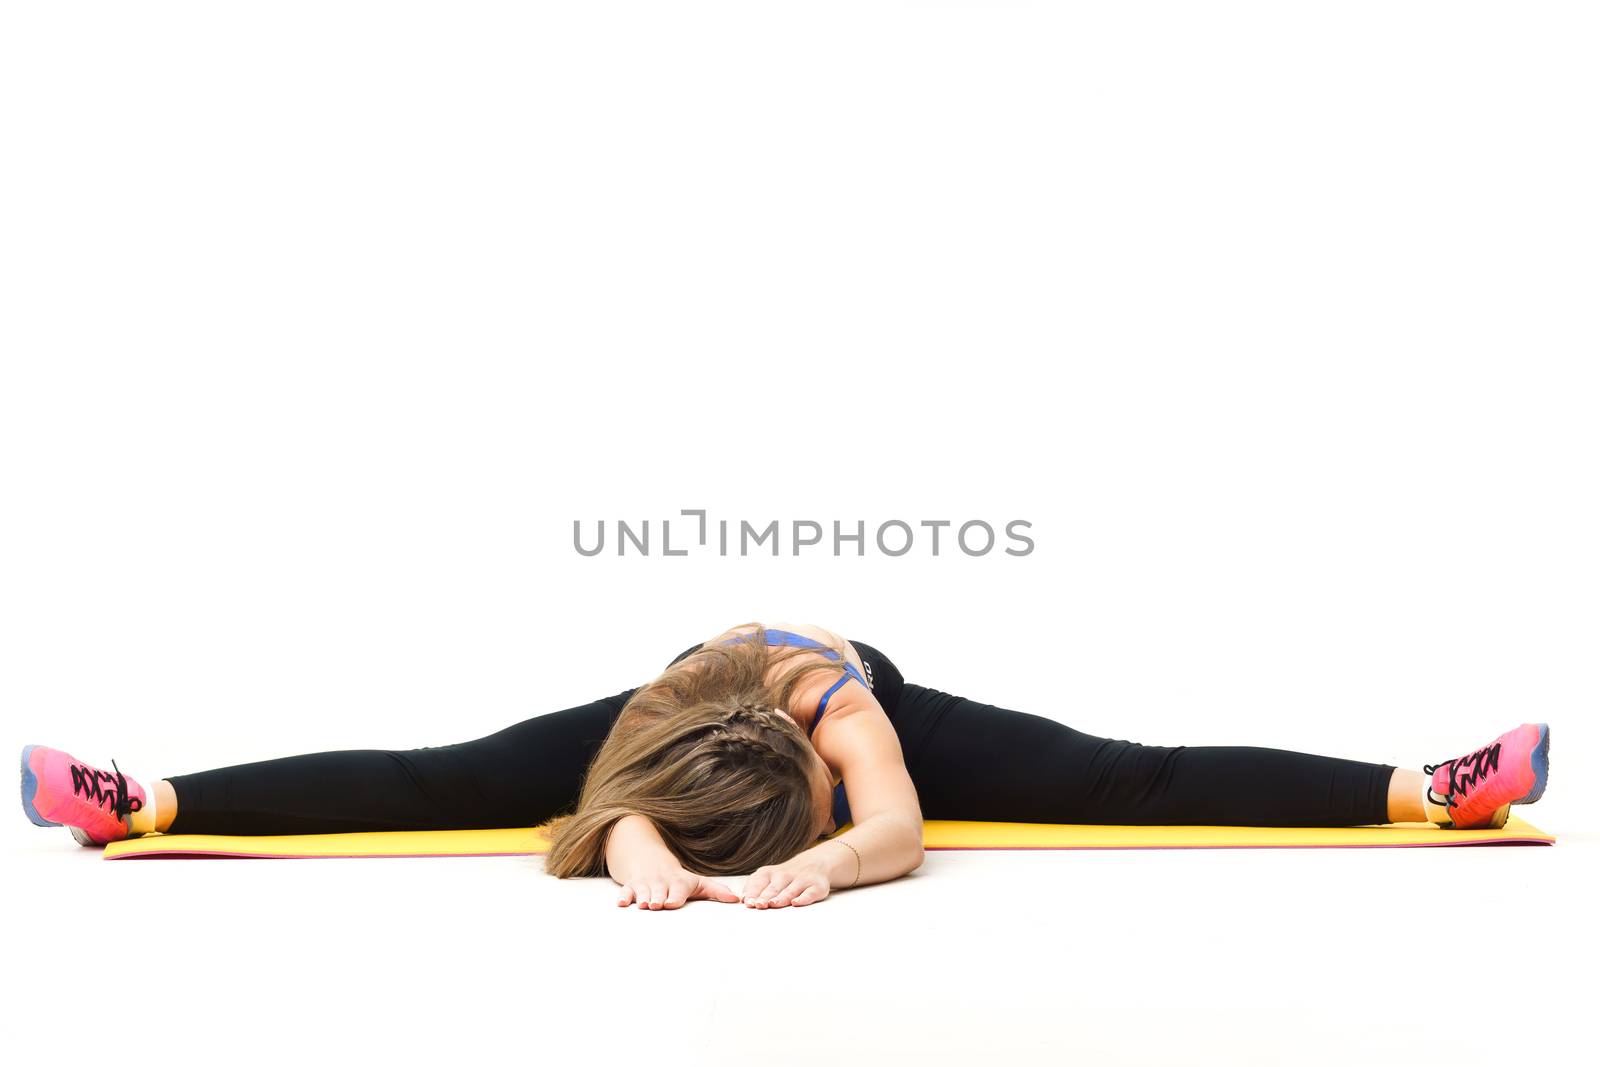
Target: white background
(322, 322)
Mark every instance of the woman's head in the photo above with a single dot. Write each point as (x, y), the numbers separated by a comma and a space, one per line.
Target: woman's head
(707, 755)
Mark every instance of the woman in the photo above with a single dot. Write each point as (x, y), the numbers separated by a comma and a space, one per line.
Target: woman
(751, 747)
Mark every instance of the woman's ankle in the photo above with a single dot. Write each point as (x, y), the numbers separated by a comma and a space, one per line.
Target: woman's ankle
(1405, 796)
(166, 805)
(160, 808)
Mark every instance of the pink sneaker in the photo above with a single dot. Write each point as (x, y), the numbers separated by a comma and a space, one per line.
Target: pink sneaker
(1480, 788)
(59, 790)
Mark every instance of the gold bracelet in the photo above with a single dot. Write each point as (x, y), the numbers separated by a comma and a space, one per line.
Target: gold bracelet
(852, 848)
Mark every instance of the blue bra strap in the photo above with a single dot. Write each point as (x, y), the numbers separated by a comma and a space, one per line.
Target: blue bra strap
(822, 705)
(788, 639)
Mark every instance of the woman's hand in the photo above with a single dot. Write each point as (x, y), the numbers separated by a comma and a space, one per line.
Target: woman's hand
(666, 886)
(649, 874)
(801, 881)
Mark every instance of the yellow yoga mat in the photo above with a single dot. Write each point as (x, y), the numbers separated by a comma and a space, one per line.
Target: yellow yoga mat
(936, 836)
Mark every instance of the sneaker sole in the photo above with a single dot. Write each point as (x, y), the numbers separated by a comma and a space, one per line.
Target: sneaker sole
(30, 789)
(1497, 821)
(1541, 766)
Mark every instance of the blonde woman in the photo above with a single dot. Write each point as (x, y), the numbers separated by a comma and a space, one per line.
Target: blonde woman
(749, 753)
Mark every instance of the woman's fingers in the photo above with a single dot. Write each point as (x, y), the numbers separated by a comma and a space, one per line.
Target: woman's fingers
(714, 890)
(782, 898)
(760, 896)
(811, 895)
(756, 883)
(791, 891)
(778, 885)
(674, 893)
(780, 891)
(770, 887)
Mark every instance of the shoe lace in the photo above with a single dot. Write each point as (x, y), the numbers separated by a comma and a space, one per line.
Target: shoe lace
(1465, 773)
(86, 781)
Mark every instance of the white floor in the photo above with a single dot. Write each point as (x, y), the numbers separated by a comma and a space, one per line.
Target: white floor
(1404, 956)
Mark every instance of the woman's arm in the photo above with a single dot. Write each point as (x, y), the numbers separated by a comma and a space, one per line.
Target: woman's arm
(878, 849)
(638, 860)
(885, 840)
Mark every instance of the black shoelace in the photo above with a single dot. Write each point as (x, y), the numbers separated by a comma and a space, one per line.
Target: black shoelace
(86, 781)
(1464, 772)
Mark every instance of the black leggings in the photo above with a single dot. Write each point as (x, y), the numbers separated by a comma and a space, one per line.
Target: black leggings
(967, 760)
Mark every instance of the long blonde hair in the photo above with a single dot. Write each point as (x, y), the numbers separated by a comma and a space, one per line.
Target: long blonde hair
(703, 753)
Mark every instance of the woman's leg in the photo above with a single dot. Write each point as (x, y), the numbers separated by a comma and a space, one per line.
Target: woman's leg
(520, 776)
(980, 762)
